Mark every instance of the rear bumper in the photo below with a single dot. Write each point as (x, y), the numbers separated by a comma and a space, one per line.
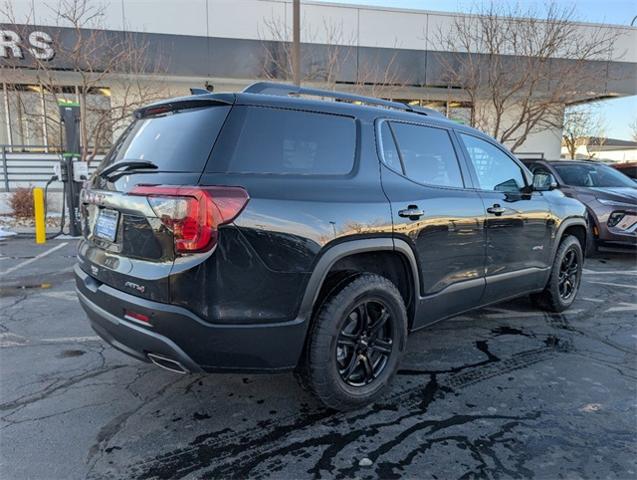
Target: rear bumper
(179, 335)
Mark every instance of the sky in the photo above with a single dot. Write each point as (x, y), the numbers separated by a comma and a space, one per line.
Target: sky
(617, 114)
(619, 12)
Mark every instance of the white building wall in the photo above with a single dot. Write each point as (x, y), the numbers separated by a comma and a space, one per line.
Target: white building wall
(245, 19)
(248, 19)
(619, 155)
(547, 142)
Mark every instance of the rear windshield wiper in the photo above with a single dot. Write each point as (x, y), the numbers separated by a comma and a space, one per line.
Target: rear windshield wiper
(122, 167)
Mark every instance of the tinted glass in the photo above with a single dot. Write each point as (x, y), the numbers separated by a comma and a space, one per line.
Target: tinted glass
(592, 175)
(495, 170)
(178, 141)
(629, 171)
(390, 154)
(268, 140)
(428, 155)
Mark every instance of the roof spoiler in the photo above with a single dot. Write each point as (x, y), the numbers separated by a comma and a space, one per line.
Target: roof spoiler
(284, 89)
(194, 101)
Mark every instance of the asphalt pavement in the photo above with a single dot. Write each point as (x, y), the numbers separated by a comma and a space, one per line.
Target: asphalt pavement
(503, 392)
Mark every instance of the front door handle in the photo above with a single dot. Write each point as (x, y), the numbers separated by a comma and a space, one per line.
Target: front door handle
(412, 212)
(496, 209)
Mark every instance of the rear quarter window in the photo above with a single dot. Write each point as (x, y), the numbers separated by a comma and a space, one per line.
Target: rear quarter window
(285, 142)
(177, 141)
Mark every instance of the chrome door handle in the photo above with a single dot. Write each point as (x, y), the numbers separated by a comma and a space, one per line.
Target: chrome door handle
(496, 209)
(412, 212)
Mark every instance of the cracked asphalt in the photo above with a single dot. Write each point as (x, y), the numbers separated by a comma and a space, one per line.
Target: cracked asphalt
(506, 391)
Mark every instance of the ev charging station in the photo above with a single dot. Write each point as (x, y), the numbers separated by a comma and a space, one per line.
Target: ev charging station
(71, 170)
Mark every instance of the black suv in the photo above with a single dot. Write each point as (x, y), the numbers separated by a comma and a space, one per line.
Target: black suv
(261, 231)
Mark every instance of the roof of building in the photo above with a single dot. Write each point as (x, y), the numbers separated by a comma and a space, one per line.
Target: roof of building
(611, 142)
(605, 144)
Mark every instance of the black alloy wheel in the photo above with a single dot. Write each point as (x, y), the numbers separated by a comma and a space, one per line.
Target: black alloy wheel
(565, 278)
(365, 343)
(569, 274)
(355, 342)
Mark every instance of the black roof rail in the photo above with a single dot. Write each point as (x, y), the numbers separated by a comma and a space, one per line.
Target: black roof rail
(425, 111)
(284, 89)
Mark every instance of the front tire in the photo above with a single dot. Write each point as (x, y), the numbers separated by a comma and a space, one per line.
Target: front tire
(356, 341)
(566, 275)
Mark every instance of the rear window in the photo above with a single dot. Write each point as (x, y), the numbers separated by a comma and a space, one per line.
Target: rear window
(178, 141)
(277, 141)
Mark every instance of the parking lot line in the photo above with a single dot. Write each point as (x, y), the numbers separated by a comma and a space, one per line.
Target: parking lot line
(595, 300)
(93, 338)
(614, 284)
(623, 307)
(37, 257)
(10, 340)
(609, 272)
(517, 314)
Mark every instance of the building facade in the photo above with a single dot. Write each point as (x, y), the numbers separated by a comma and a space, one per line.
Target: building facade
(228, 44)
(609, 150)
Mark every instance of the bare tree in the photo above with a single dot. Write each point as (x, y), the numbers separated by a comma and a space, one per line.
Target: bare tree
(378, 77)
(333, 50)
(101, 62)
(580, 124)
(322, 66)
(519, 67)
(633, 129)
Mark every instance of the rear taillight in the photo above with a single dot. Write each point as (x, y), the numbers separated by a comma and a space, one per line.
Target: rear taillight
(193, 214)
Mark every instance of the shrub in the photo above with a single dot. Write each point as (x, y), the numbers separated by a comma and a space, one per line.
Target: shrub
(22, 202)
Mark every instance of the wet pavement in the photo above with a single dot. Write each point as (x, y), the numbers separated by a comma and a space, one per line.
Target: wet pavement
(505, 392)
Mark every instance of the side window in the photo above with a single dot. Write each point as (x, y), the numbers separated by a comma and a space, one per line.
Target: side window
(495, 170)
(278, 141)
(427, 155)
(390, 153)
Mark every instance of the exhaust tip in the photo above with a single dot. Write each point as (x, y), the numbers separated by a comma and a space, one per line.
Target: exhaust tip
(167, 363)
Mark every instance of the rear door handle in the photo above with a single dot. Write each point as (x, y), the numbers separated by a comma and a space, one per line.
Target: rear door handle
(412, 212)
(496, 209)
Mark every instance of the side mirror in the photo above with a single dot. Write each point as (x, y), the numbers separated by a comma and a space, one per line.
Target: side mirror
(543, 182)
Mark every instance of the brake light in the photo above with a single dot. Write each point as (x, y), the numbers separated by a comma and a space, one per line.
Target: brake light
(194, 214)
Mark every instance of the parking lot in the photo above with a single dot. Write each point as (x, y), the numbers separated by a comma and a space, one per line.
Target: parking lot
(507, 391)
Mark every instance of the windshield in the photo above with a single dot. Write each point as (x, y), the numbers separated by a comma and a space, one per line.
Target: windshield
(177, 141)
(578, 175)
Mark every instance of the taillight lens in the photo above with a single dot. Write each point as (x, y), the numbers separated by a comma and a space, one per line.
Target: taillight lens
(193, 214)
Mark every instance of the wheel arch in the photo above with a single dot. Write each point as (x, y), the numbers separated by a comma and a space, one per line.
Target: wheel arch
(358, 249)
(576, 226)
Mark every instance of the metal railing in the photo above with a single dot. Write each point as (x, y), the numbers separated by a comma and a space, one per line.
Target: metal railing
(30, 166)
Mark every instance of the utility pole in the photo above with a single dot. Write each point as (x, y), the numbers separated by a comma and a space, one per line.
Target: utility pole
(296, 41)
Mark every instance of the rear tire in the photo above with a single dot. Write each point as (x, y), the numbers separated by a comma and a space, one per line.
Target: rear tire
(566, 275)
(355, 343)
